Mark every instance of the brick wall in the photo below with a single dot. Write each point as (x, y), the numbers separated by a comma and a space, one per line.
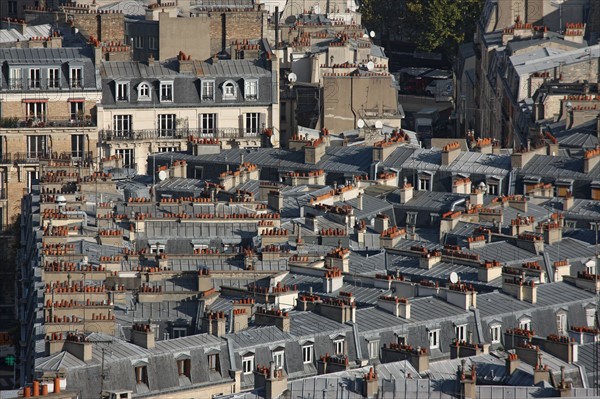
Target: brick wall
(238, 26)
(105, 27)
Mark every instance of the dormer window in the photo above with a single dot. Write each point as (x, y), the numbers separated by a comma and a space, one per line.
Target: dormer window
(144, 92)
(166, 91)
(229, 90)
(208, 90)
(76, 77)
(122, 91)
(34, 78)
(251, 89)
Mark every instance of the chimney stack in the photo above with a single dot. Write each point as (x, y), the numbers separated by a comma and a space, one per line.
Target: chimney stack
(142, 335)
(450, 153)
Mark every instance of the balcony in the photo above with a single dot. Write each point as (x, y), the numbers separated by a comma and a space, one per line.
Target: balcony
(35, 123)
(5, 158)
(34, 157)
(174, 134)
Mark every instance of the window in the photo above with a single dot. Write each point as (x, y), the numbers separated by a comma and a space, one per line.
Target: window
(76, 108)
(122, 124)
(53, 78)
(32, 177)
(252, 121)
(36, 146)
(15, 79)
(423, 184)
(12, 7)
(495, 331)
(34, 78)
(152, 43)
(208, 123)
(213, 363)
(167, 149)
(307, 353)
(278, 359)
(179, 332)
(434, 339)
(373, 349)
(460, 331)
(208, 90)
(248, 364)
(138, 42)
(166, 125)
(141, 375)
(36, 111)
(77, 143)
(525, 324)
(590, 316)
(184, 367)
(492, 189)
(338, 346)
(166, 91)
(561, 323)
(229, 91)
(76, 77)
(122, 91)
(251, 89)
(400, 339)
(144, 92)
(127, 155)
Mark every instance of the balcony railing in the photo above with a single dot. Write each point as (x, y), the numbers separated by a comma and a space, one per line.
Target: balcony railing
(174, 134)
(36, 156)
(34, 123)
(5, 158)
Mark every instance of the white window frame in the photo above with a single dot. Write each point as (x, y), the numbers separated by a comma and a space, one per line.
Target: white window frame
(434, 338)
(37, 146)
(590, 316)
(128, 156)
(152, 43)
(166, 92)
(460, 331)
(492, 188)
(167, 149)
(373, 347)
(561, 322)
(35, 78)
(208, 90)
(138, 42)
(338, 346)
(525, 323)
(37, 111)
(278, 358)
(252, 122)
(53, 78)
(167, 124)
(76, 77)
(247, 364)
(177, 332)
(251, 89)
(77, 145)
(495, 333)
(122, 124)
(424, 184)
(307, 353)
(229, 90)
(75, 107)
(144, 92)
(208, 123)
(16, 79)
(122, 91)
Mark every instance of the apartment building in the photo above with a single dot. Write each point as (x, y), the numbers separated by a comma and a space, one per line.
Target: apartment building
(48, 112)
(153, 107)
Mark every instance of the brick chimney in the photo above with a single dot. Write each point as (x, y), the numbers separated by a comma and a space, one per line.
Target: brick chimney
(314, 150)
(461, 295)
(341, 310)
(468, 381)
(272, 317)
(590, 159)
(204, 280)
(370, 385)
(185, 63)
(78, 346)
(382, 222)
(338, 258)
(333, 280)
(429, 259)
(568, 201)
(406, 192)
(272, 379)
(541, 372)
(512, 363)
(450, 152)
(275, 200)
(519, 288)
(418, 357)
(142, 335)
(399, 307)
(214, 323)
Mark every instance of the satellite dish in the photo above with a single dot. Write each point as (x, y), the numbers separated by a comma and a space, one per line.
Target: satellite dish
(378, 125)
(291, 20)
(372, 33)
(453, 278)
(162, 175)
(292, 77)
(370, 65)
(360, 123)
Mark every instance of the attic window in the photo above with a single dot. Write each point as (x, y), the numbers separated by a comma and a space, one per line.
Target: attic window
(229, 90)
(338, 345)
(166, 91)
(525, 323)
(184, 367)
(213, 363)
(248, 363)
(141, 375)
(144, 92)
(251, 89)
(278, 357)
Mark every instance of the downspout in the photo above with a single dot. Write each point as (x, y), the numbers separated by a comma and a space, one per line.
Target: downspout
(74, 213)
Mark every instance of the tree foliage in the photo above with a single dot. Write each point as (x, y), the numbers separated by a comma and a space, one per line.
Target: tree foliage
(434, 25)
